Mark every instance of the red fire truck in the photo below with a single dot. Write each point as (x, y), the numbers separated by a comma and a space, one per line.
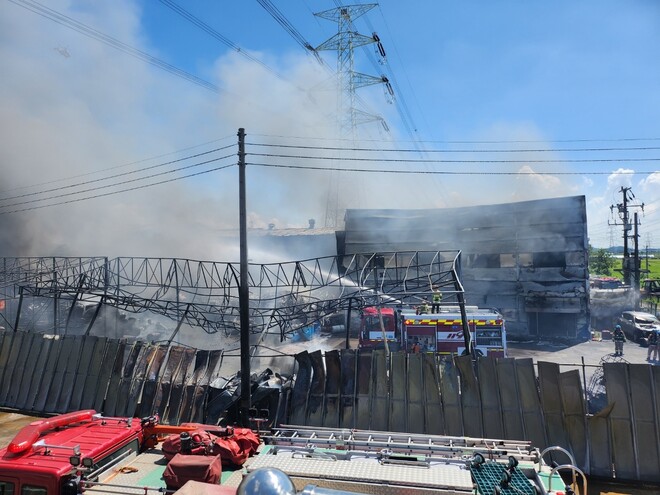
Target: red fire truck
(442, 333)
(373, 335)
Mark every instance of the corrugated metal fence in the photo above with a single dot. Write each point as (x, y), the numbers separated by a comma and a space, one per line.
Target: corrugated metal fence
(502, 398)
(416, 393)
(43, 374)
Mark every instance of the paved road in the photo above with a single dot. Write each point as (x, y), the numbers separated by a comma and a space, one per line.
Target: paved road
(593, 352)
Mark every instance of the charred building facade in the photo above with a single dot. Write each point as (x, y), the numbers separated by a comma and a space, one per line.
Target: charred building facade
(529, 259)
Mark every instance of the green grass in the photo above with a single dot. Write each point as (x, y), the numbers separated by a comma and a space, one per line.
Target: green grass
(654, 268)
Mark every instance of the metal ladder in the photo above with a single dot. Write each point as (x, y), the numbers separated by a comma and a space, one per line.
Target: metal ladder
(400, 443)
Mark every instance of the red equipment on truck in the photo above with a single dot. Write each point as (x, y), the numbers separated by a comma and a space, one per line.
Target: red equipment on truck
(373, 334)
(442, 333)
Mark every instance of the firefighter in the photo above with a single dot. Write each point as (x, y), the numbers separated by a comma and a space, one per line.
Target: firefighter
(425, 308)
(652, 354)
(619, 339)
(437, 299)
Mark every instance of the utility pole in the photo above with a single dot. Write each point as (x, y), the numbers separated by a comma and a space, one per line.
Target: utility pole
(243, 292)
(630, 266)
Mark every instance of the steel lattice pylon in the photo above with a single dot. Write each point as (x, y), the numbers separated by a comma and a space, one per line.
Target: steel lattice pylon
(204, 294)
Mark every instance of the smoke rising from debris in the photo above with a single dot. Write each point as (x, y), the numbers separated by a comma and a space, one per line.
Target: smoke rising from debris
(69, 119)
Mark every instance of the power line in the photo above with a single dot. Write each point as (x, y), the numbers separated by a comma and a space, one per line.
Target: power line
(427, 172)
(113, 176)
(20, 203)
(69, 22)
(223, 39)
(144, 186)
(429, 160)
(409, 150)
(504, 141)
(289, 28)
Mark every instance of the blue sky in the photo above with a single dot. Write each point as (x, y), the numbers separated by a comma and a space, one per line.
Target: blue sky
(575, 80)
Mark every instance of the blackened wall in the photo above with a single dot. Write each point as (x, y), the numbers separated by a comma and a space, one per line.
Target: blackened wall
(527, 259)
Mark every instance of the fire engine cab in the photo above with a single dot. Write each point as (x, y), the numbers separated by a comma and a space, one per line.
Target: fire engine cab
(442, 333)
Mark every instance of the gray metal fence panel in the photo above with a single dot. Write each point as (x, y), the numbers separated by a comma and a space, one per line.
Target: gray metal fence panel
(30, 369)
(380, 404)
(492, 405)
(138, 378)
(11, 360)
(551, 403)
(399, 388)
(623, 445)
(202, 391)
(644, 422)
(530, 403)
(316, 390)
(92, 380)
(31, 389)
(509, 395)
(28, 357)
(435, 416)
(85, 364)
(332, 389)
(69, 376)
(193, 383)
(363, 390)
(574, 408)
(450, 394)
(112, 359)
(178, 383)
(67, 345)
(124, 399)
(600, 450)
(348, 391)
(301, 388)
(109, 405)
(655, 393)
(167, 377)
(150, 385)
(416, 420)
(470, 398)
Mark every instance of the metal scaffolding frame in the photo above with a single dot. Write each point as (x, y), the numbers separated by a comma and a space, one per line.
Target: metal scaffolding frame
(284, 297)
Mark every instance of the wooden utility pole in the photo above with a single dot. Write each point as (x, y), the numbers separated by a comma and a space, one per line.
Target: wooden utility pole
(243, 292)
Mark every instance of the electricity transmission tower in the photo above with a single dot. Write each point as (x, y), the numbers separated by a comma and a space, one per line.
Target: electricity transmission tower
(348, 80)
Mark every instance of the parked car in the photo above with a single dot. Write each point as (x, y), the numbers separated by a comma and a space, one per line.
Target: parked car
(638, 325)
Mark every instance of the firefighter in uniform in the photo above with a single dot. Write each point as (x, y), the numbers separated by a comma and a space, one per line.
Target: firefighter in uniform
(437, 299)
(652, 354)
(619, 339)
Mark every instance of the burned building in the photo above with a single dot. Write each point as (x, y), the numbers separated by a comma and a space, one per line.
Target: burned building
(529, 259)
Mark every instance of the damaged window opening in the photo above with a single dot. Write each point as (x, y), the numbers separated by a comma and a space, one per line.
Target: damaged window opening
(507, 260)
(484, 260)
(550, 260)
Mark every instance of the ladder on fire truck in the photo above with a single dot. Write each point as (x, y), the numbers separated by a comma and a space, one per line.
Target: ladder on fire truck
(430, 446)
(451, 464)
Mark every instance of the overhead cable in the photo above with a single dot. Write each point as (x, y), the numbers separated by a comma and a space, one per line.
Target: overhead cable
(429, 160)
(121, 183)
(114, 176)
(409, 150)
(432, 172)
(67, 21)
(144, 186)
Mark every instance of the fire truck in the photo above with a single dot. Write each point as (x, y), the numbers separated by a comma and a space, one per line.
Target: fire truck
(373, 335)
(442, 332)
